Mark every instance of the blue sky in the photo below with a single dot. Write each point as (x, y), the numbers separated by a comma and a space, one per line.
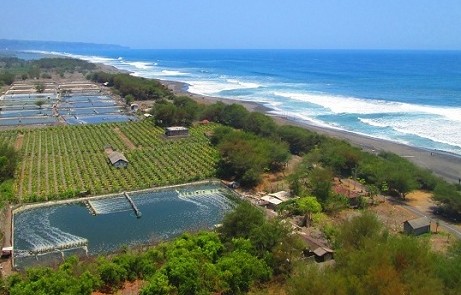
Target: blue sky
(299, 24)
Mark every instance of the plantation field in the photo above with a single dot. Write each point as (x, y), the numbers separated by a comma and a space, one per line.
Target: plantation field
(60, 162)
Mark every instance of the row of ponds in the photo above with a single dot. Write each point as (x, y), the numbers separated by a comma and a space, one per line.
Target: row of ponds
(24, 109)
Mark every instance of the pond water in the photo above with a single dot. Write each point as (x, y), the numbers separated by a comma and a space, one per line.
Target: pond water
(46, 234)
(21, 109)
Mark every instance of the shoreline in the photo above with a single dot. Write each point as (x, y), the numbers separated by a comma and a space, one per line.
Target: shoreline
(441, 163)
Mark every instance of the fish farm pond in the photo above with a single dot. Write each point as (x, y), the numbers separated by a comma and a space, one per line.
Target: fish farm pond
(48, 233)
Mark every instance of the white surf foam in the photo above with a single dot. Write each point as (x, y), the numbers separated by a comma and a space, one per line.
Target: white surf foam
(353, 105)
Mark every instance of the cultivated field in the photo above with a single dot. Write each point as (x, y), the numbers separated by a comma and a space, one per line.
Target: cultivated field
(60, 162)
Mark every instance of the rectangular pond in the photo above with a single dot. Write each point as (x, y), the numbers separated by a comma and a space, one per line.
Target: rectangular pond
(46, 234)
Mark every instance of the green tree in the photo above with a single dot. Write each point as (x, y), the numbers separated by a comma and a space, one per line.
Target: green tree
(40, 103)
(40, 87)
(241, 221)
(309, 205)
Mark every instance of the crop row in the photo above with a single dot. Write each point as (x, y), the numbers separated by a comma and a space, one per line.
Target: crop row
(60, 162)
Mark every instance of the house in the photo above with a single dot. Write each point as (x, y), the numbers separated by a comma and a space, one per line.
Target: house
(176, 131)
(118, 160)
(417, 226)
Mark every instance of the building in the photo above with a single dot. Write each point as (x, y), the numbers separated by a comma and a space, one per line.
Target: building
(118, 160)
(270, 202)
(7, 251)
(176, 131)
(323, 254)
(417, 226)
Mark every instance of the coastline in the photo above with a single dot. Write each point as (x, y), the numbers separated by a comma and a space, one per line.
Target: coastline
(442, 164)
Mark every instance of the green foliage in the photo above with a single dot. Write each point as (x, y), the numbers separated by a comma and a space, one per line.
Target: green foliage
(241, 221)
(112, 274)
(245, 156)
(6, 78)
(129, 99)
(8, 161)
(357, 231)
(300, 140)
(239, 269)
(125, 84)
(51, 282)
(449, 195)
(183, 111)
(40, 87)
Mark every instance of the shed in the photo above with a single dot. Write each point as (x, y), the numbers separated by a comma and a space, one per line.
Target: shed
(134, 107)
(272, 202)
(323, 254)
(176, 131)
(118, 160)
(417, 226)
(281, 195)
(7, 251)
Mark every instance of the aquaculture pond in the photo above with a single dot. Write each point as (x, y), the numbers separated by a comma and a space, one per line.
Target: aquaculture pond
(91, 109)
(22, 109)
(46, 234)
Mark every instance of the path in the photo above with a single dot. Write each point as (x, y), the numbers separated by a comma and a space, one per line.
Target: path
(19, 141)
(449, 227)
(125, 139)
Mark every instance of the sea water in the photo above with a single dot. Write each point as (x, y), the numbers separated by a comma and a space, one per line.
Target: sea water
(411, 97)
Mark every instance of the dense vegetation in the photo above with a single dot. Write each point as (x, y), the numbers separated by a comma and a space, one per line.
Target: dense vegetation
(12, 68)
(132, 87)
(8, 161)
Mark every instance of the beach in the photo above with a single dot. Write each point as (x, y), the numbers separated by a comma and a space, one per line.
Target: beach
(442, 164)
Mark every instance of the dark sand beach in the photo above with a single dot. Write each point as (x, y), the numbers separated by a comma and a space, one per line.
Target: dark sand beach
(445, 165)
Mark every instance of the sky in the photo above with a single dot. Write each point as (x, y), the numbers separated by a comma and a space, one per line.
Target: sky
(223, 24)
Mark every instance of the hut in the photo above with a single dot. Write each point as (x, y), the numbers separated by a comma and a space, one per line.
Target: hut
(7, 251)
(417, 226)
(134, 107)
(118, 160)
(176, 131)
(270, 202)
(323, 254)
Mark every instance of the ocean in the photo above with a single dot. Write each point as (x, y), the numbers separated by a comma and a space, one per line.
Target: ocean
(410, 97)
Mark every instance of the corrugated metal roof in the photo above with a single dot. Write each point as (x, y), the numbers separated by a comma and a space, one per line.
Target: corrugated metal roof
(114, 157)
(320, 251)
(281, 195)
(176, 128)
(271, 200)
(419, 222)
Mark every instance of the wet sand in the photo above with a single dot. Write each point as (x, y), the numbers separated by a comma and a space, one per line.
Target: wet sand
(445, 165)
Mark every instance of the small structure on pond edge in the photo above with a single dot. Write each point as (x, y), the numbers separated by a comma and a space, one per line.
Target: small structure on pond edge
(7, 251)
(176, 131)
(118, 160)
(417, 226)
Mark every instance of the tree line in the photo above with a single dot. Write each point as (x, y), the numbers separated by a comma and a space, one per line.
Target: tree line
(13, 68)
(9, 159)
